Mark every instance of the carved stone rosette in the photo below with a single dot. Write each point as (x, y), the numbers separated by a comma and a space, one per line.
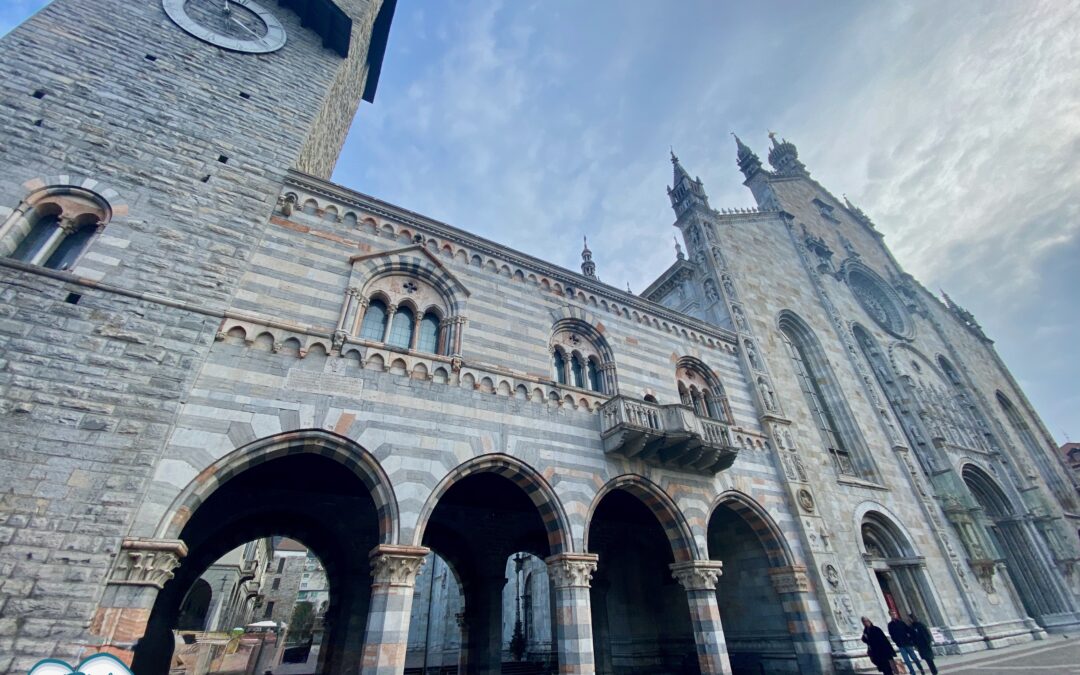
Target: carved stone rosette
(791, 579)
(396, 565)
(147, 562)
(567, 570)
(697, 575)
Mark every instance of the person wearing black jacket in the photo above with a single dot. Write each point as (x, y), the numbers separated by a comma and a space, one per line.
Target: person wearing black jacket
(924, 641)
(901, 634)
(878, 647)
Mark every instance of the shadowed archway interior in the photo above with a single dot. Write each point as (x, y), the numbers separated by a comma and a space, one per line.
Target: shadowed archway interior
(305, 496)
(478, 523)
(640, 615)
(753, 614)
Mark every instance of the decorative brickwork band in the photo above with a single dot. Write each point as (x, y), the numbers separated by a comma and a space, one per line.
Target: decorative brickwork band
(393, 573)
(791, 579)
(570, 574)
(699, 578)
(697, 575)
(147, 562)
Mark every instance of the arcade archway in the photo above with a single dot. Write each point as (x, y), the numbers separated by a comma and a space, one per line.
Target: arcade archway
(640, 617)
(482, 516)
(313, 488)
(756, 568)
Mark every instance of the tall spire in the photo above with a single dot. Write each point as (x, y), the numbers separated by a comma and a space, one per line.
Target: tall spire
(679, 255)
(784, 157)
(588, 267)
(748, 162)
(685, 191)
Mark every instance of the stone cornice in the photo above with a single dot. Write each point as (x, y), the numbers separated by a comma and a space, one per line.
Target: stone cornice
(147, 562)
(376, 206)
(682, 269)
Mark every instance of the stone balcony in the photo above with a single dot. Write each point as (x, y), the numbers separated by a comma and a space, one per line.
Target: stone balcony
(671, 436)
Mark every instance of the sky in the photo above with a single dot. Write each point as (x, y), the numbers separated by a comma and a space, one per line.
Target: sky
(954, 125)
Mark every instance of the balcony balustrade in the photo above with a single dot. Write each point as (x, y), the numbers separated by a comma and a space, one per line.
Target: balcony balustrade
(672, 436)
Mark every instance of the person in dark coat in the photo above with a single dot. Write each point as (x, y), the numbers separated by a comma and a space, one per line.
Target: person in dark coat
(878, 647)
(905, 642)
(924, 641)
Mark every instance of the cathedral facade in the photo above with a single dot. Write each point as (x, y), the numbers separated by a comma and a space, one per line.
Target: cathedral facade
(206, 342)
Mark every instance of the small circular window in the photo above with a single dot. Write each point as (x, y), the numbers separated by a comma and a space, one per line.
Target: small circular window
(879, 301)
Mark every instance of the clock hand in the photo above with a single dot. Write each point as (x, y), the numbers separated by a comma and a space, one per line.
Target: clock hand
(250, 32)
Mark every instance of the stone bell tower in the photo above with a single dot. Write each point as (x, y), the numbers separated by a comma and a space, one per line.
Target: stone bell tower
(143, 147)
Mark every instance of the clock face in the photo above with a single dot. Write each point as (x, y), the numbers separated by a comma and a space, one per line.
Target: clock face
(239, 25)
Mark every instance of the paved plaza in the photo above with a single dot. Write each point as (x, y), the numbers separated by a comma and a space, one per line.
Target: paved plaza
(1058, 654)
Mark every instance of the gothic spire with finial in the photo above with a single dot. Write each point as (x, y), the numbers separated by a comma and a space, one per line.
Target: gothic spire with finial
(685, 191)
(784, 157)
(588, 267)
(748, 161)
(679, 255)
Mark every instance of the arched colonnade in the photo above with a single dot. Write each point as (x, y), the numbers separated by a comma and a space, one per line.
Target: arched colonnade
(635, 593)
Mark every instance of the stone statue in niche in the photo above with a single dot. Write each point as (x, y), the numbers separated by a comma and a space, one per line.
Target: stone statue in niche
(710, 291)
(767, 396)
(740, 318)
(832, 576)
(752, 355)
(729, 287)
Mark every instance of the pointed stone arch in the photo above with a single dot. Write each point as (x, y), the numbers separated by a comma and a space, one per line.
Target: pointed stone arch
(535, 486)
(307, 441)
(671, 519)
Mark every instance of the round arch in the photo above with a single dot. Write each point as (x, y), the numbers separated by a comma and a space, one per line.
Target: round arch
(308, 441)
(660, 504)
(766, 529)
(417, 262)
(535, 486)
(885, 519)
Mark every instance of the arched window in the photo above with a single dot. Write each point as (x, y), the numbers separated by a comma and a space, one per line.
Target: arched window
(374, 327)
(700, 389)
(401, 329)
(822, 394)
(1038, 452)
(54, 226)
(429, 334)
(578, 371)
(559, 363)
(586, 357)
(594, 375)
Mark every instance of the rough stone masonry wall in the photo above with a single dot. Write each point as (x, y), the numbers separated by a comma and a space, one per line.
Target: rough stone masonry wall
(133, 105)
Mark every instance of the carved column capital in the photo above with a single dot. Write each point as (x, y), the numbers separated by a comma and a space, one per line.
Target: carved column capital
(791, 579)
(396, 565)
(571, 569)
(697, 575)
(147, 562)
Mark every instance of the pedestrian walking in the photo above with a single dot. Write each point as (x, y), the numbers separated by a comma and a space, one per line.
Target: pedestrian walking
(924, 641)
(901, 634)
(878, 647)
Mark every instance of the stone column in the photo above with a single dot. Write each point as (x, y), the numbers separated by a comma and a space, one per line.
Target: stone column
(393, 573)
(63, 228)
(350, 296)
(483, 616)
(140, 570)
(699, 578)
(416, 331)
(358, 318)
(570, 574)
(391, 310)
